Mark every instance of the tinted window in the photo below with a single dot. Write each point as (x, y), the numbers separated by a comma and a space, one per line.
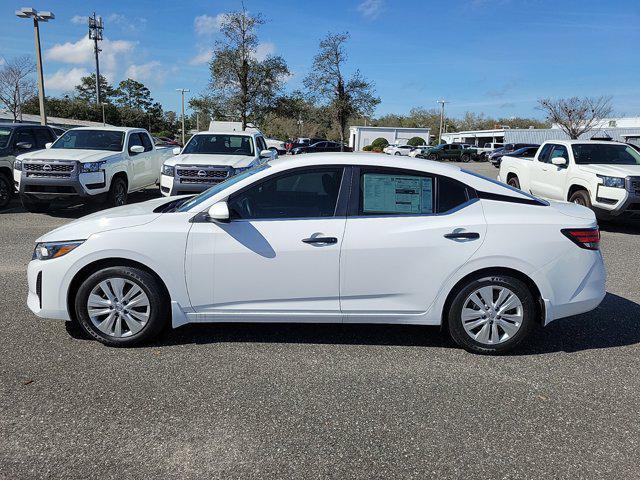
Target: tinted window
(224, 144)
(451, 194)
(544, 153)
(301, 194)
(91, 140)
(146, 142)
(134, 140)
(5, 134)
(598, 153)
(395, 193)
(43, 136)
(560, 151)
(24, 135)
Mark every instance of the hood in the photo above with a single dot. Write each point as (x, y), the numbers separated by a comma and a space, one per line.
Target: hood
(611, 170)
(236, 161)
(573, 210)
(69, 154)
(111, 219)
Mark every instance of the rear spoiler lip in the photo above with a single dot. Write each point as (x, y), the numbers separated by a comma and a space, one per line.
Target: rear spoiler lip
(508, 198)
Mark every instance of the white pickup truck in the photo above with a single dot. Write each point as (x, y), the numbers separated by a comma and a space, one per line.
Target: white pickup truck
(89, 163)
(601, 175)
(211, 157)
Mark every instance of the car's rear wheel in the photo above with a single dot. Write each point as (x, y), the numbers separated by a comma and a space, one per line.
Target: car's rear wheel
(117, 193)
(122, 306)
(432, 156)
(465, 158)
(491, 314)
(581, 197)
(397, 153)
(6, 190)
(33, 205)
(514, 182)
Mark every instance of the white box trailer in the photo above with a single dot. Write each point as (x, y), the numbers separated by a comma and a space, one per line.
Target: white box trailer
(361, 136)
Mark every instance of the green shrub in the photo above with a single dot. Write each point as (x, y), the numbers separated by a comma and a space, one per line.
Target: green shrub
(367, 148)
(379, 143)
(416, 141)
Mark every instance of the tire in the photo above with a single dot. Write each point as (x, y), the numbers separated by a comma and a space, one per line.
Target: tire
(432, 156)
(117, 192)
(514, 182)
(6, 190)
(112, 321)
(581, 197)
(494, 333)
(397, 153)
(34, 206)
(465, 158)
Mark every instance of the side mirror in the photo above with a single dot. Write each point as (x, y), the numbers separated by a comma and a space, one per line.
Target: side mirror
(219, 212)
(559, 161)
(23, 145)
(176, 150)
(48, 145)
(266, 154)
(137, 149)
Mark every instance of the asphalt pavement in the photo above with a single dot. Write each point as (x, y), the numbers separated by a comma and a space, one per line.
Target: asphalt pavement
(318, 401)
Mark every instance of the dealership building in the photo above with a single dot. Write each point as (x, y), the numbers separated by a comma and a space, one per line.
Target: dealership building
(616, 128)
(361, 136)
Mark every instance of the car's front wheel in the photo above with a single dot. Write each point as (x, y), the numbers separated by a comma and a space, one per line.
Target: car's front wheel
(122, 306)
(491, 314)
(581, 197)
(6, 190)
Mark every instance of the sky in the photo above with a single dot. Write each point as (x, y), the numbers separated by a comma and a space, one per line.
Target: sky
(495, 57)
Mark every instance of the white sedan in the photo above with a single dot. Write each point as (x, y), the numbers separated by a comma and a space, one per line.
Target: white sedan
(343, 238)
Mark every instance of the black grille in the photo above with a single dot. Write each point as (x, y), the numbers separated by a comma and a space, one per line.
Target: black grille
(48, 175)
(201, 180)
(634, 185)
(48, 167)
(39, 288)
(188, 172)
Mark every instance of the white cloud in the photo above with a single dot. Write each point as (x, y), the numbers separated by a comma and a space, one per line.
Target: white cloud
(79, 19)
(150, 72)
(64, 80)
(81, 53)
(371, 9)
(206, 24)
(203, 56)
(264, 50)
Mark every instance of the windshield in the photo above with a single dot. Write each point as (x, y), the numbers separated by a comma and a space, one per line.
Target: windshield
(91, 140)
(5, 133)
(207, 194)
(605, 154)
(216, 144)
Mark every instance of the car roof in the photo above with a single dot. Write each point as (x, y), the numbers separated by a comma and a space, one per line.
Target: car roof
(110, 129)
(588, 142)
(16, 125)
(222, 132)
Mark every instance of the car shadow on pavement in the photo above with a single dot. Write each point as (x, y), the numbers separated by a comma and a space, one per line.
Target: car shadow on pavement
(615, 323)
(631, 227)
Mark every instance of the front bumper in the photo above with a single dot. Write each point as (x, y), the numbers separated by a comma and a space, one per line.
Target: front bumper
(43, 298)
(51, 180)
(618, 202)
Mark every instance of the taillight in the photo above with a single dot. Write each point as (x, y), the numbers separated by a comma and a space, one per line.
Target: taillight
(588, 238)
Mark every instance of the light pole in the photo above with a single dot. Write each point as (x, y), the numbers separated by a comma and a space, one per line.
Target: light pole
(104, 118)
(27, 12)
(182, 92)
(95, 33)
(441, 102)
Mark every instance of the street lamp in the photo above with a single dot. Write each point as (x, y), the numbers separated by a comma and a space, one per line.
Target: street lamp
(182, 91)
(38, 17)
(104, 118)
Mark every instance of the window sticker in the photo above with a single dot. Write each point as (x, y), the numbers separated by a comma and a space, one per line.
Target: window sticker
(384, 193)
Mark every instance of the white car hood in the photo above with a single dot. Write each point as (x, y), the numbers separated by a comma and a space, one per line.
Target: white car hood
(111, 219)
(611, 170)
(235, 161)
(69, 154)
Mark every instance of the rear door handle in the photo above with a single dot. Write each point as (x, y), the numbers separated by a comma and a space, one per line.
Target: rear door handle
(327, 240)
(463, 235)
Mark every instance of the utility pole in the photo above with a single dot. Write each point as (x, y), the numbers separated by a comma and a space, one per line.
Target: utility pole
(182, 92)
(95, 33)
(104, 118)
(441, 102)
(27, 12)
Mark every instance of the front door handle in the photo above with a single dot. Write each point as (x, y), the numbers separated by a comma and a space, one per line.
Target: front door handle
(463, 235)
(325, 240)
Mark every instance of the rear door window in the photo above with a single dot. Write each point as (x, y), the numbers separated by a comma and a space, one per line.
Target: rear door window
(43, 136)
(396, 193)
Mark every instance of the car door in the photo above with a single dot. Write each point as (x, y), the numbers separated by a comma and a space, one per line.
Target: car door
(402, 242)
(139, 163)
(278, 257)
(550, 179)
(539, 167)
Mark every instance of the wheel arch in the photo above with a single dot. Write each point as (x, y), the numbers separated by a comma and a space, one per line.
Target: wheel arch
(528, 281)
(574, 187)
(93, 267)
(7, 171)
(120, 174)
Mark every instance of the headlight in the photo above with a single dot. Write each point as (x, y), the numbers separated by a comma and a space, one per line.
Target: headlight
(168, 170)
(17, 165)
(92, 167)
(49, 250)
(615, 182)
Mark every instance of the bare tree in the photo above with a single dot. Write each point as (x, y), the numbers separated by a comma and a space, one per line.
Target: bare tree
(346, 98)
(16, 83)
(245, 83)
(576, 116)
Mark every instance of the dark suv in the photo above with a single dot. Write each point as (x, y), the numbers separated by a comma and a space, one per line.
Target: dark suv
(16, 139)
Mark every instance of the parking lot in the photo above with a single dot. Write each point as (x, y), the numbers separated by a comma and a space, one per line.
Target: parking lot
(341, 401)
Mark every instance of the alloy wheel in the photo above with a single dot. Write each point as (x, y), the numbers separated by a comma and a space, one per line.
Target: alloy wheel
(5, 193)
(492, 314)
(120, 195)
(118, 307)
